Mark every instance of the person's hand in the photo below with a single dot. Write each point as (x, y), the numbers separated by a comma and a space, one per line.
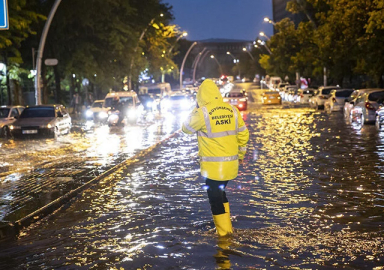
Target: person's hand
(241, 161)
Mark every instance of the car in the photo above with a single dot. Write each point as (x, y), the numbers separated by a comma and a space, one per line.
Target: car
(97, 111)
(336, 99)
(271, 97)
(288, 89)
(348, 105)
(8, 115)
(237, 98)
(292, 94)
(303, 95)
(321, 95)
(177, 101)
(42, 120)
(366, 106)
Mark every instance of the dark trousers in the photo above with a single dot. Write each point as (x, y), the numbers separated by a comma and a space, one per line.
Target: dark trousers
(216, 195)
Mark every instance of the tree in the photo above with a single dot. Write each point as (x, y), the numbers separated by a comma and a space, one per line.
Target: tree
(21, 20)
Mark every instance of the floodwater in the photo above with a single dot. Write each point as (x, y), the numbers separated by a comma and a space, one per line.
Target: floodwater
(309, 196)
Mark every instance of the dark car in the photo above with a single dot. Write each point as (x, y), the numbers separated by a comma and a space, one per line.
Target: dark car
(42, 120)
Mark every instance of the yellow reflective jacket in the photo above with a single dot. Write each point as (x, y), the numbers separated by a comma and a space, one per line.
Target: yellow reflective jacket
(221, 133)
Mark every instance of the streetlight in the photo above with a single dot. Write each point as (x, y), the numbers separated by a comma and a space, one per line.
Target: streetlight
(265, 45)
(264, 35)
(184, 34)
(182, 65)
(236, 62)
(245, 50)
(268, 20)
(213, 57)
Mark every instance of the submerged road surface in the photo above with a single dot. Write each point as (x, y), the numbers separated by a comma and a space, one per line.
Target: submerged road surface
(309, 195)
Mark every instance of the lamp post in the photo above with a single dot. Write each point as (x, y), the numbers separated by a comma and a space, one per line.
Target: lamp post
(265, 45)
(221, 70)
(196, 63)
(182, 65)
(184, 34)
(135, 50)
(41, 50)
(268, 20)
(235, 61)
(264, 35)
(245, 50)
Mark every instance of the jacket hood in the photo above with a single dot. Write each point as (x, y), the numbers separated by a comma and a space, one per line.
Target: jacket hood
(208, 93)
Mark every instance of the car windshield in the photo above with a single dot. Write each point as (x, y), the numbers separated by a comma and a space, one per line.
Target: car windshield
(155, 91)
(376, 96)
(235, 94)
(4, 112)
(344, 93)
(126, 100)
(38, 112)
(97, 105)
(326, 91)
(177, 97)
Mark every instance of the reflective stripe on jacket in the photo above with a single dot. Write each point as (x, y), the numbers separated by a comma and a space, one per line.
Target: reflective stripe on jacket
(221, 133)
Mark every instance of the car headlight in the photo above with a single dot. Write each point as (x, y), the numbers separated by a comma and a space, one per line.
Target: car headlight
(11, 127)
(185, 103)
(165, 103)
(103, 115)
(149, 104)
(89, 113)
(46, 126)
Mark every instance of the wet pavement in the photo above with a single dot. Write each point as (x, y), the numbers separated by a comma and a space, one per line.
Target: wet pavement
(309, 196)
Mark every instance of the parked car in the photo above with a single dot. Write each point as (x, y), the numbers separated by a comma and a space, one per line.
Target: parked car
(97, 111)
(336, 99)
(321, 95)
(237, 98)
(303, 95)
(289, 89)
(271, 97)
(366, 106)
(177, 101)
(8, 115)
(43, 120)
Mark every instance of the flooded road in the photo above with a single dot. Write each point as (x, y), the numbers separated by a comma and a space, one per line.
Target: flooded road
(309, 196)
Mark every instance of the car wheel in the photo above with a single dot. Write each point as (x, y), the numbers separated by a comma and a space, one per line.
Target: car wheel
(5, 132)
(55, 133)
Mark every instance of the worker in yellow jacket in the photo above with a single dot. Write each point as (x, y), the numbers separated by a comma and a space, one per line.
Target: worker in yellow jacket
(222, 138)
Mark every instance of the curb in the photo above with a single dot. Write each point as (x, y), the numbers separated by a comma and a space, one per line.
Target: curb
(12, 229)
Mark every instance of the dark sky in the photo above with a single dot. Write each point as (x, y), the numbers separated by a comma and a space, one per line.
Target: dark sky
(232, 19)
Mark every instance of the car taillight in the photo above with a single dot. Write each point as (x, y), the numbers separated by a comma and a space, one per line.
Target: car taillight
(369, 106)
(301, 95)
(240, 105)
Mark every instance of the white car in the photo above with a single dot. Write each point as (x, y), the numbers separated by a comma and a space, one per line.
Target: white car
(97, 112)
(321, 95)
(348, 106)
(336, 99)
(8, 115)
(303, 95)
(366, 106)
(177, 102)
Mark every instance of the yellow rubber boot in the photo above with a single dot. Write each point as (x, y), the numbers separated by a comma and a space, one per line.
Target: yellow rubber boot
(226, 208)
(223, 222)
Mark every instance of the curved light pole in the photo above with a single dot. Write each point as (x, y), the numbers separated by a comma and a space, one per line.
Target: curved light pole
(265, 45)
(264, 35)
(221, 70)
(196, 63)
(41, 50)
(184, 34)
(268, 20)
(245, 50)
(182, 65)
(135, 50)
(235, 61)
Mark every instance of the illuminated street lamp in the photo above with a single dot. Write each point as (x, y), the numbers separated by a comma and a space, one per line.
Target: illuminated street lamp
(213, 57)
(184, 34)
(268, 20)
(265, 45)
(245, 50)
(264, 35)
(235, 61)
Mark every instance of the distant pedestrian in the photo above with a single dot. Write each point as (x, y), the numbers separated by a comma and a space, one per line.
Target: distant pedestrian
(222, 138)
(76, 101)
